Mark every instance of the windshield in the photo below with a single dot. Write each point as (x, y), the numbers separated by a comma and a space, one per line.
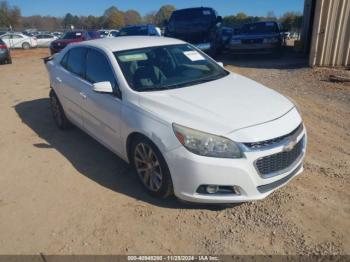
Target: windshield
(167, 67)
(135, 30)
(189, 15)
(260, 28)
(72, 35)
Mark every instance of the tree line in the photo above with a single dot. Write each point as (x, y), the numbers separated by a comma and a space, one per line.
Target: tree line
(113, 18)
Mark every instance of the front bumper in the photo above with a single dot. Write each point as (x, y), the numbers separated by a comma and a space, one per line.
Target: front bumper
(252, 48)
(4, 55)
(190, 171)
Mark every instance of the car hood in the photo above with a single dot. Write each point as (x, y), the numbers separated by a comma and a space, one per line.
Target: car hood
(219, 107)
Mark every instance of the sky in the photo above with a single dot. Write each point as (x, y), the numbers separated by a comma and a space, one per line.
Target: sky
(97, 7)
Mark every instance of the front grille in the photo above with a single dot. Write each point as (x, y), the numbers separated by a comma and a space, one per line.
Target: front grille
(252, 41)
(280, 161)
(266, 143)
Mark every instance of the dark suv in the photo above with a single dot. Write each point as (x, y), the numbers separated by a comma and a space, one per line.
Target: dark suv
(133, 30)
(72, 37)
(198, 26)
(5, 56)
(260, 37)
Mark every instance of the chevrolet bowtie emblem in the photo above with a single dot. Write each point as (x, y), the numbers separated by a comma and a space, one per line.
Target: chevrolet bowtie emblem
(289, 147)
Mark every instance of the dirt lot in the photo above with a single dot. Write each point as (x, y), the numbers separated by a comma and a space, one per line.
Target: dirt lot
(63, 193)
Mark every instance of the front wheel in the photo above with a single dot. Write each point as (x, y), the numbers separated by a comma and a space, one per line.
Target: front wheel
(151, 168)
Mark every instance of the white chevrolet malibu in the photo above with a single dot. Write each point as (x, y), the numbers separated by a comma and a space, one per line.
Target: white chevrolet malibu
(186, 125)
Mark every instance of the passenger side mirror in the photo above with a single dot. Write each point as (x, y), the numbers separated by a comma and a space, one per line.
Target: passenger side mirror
(220, 64)
(103, 87)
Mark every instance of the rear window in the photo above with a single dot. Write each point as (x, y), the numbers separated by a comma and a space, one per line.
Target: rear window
(191, 14)
(72, 35)
(260, 28)
(94, 34)
(135, 30)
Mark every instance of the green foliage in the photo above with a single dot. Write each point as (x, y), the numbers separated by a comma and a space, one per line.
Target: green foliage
(239, 19)
(292, 21)
(164, 14)
(132, 17)
(10, 16)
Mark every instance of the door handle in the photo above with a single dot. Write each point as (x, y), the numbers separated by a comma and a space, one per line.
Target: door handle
(82, 95)
(58, 79)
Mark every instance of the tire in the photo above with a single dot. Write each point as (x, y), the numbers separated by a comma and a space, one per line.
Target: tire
(151, 168)
(26, 46)
(58, 113)
(9, 60)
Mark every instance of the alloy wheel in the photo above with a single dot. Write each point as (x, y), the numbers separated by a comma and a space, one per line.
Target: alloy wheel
(148, 167)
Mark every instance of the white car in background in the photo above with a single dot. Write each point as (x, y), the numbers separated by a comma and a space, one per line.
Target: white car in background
(108, 33)
(44, 40)
(18, 40)
(186, 125)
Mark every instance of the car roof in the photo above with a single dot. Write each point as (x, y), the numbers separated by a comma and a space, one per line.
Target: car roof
(131, 42)
(193, 8)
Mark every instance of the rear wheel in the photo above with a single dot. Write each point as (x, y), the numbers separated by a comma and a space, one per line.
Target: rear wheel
(58, 113)
(25, 46)
(9, 60)
(151, 168)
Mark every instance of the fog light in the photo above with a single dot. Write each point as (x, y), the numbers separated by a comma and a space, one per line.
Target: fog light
(212, 189)
(237, 190)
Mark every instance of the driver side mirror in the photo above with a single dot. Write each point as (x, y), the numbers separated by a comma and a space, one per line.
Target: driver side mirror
(103, 87)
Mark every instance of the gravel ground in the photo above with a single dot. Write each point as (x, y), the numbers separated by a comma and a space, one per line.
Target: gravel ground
(63, 193)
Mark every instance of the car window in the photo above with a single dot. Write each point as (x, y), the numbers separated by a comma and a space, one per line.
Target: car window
(134, 30)
(72, 35)
(193, 14)
(1, 42)
(76, 61)
(16, 36)
(115, 33)
(98, 68)
(260, 28)
(64, 60)
(167, 67)
(6, 37)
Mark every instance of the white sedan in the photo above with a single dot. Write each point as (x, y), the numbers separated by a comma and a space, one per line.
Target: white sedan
(186, 125)
(44, 40)
(17, 40)
(108, 33)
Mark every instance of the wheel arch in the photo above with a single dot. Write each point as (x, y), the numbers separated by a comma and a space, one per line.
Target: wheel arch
(131, 137)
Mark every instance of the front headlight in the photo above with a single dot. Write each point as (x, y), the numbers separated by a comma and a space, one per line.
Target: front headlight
(205, 144)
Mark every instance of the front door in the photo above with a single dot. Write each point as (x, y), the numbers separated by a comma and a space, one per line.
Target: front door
(101, 111)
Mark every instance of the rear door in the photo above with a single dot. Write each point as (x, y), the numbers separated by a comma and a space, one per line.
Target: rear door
(70, 83)
(17, 41)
